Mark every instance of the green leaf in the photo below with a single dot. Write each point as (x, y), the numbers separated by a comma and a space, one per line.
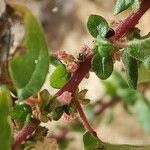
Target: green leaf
(45, 99)
(82, 93)
(109, 88)
(28, 71)
(57, 113)
(122, 5)
(54, 61)
(91, 142)
(144, 74)
(118, 80)
(21, 112)
(141, 110)
(140, 50)
(102, 66)
(5, 131)
(97, 25)
(128, 95)
(136, 4)
(139, 106)
(59, 77)
(103, 47)
(131, 69)
(133, 33)
(94, 143)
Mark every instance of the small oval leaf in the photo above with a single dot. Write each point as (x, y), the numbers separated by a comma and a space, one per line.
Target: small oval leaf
(102, 66)
(97, 25)
(59, 77)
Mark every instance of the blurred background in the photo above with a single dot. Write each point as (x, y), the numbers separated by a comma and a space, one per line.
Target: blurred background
(64, 23)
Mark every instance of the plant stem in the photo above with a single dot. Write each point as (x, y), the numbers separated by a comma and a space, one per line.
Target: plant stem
(77, 77)
(84, 68)
(83, 116)
(120, 31)
(131, 21)
(25, 133)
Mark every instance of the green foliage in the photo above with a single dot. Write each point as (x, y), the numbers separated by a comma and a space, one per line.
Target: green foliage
(63, 143)
(54, 61)
(57, 113)
(59, 110)
(103, 47)
(102, 66)
(102, 63)
(109, 88)
(5, 131)
(139, 106)
(141, 110)
(59, 77)
(45, 99)
(91, 142)
(97, 25)
(122, 5)
(140, 50)
(118, 81)
(21, 113)
(144, 74)
(94, 143)
(28, 71)
(136, 4)
(131, 69)
(29, 66)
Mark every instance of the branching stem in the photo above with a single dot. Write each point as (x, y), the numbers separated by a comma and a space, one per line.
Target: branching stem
(83, 116)
(131, 21)
(75, 80)
(125, 25)
(25, 133)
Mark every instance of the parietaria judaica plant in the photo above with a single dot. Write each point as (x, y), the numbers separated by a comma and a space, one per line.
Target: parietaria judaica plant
(25, 105)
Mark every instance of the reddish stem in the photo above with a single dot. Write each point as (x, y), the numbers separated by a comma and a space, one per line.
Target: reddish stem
(25, 133)
(83, 116)
(125, 25)
(131, 21)
(77, 77)
(73, 83)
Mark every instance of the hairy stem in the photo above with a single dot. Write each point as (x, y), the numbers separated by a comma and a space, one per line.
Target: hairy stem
(75, 80)
(77, 77)
(83, 116)
(131, 21)
(25, 133)
(125, 25)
